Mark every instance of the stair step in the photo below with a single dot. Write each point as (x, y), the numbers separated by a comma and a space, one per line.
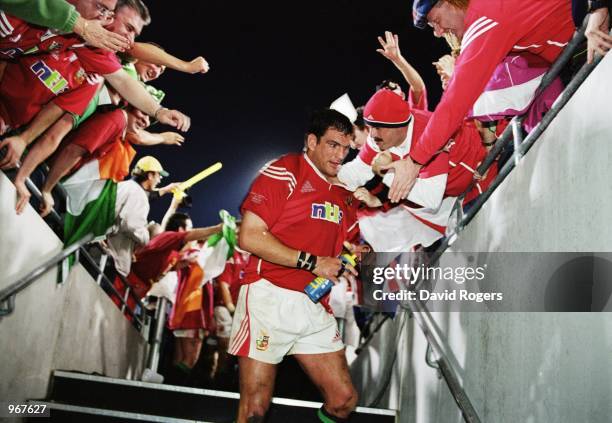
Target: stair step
(180, 402)
(68, 413)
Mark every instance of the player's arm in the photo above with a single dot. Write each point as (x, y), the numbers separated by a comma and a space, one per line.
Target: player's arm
(135, 94)
(153, 54)
(257, 239)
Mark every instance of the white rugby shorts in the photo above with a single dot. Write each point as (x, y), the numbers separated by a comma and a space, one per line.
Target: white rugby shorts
(271, 322)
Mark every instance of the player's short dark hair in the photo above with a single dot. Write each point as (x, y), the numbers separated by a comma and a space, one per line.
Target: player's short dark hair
(359, 122)
(177, 221)
(138, 6)
(323, 119)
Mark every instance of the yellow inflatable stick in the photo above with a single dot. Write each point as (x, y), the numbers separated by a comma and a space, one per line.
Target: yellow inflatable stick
(179, 192)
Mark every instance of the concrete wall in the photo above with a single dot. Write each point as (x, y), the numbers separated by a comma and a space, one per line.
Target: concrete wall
(69, 326)
(524, 367)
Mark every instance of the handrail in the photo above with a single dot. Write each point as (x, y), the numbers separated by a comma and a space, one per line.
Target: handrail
(80, 247)
(512, 133)
(38, 271)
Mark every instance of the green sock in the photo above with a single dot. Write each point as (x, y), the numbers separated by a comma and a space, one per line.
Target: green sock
(325, 417)
(183, 367)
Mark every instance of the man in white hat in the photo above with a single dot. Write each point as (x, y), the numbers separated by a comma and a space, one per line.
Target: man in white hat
(132, 211)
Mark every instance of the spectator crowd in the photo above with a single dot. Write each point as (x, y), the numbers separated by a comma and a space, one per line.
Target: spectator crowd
(76, 99)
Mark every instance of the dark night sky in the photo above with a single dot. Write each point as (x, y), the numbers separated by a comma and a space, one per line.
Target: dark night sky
(271, 64)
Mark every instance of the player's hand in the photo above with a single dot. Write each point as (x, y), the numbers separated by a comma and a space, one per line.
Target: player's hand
(598, 39)
(366, 197)
(95, 35)
(328, 268)
(390, 47)
(14, 150)
(198, 65)
(174, 118)
(405, 175)
(172, 138)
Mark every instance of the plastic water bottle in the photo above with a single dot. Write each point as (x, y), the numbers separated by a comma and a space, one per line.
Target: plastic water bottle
(320, 286)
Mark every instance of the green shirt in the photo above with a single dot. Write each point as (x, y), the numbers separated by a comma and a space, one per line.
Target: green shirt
(57, 14)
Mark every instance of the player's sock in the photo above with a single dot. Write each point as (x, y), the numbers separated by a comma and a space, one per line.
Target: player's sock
(325, 417)
(183, 367)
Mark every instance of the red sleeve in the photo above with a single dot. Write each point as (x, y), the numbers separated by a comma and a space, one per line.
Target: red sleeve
(270, 191)
(98, 61)
(422, 104)
(484, 47)
(76, 100)
(99, 129)
(367, 153)
(166, 241)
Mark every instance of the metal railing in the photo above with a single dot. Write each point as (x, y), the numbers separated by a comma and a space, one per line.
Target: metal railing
(137, 315)
(7, 295)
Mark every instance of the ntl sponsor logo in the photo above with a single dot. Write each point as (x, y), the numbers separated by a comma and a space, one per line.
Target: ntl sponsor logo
(327, 211)
(51, 79)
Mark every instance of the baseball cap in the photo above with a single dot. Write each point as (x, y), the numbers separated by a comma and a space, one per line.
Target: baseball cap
(420, 9)
(149, 164)
(386, 109)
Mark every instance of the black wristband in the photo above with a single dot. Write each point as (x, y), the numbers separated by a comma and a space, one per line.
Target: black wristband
(306, 261)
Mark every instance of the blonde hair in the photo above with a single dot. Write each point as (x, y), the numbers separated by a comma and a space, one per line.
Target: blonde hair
(461, 4)
(453, 43)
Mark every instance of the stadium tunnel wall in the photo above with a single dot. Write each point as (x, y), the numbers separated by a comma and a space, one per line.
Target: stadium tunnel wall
(68, 326)
(518, 366)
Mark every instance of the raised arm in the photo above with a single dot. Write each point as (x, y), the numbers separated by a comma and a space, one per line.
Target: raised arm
(61, 15)
(153, 54)
(144, 137)
(391, 50)
(135, 94)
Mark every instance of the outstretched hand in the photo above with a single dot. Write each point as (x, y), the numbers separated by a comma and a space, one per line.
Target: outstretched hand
(390, 47)
(598, 39)
(96, 35)
(174, 118)
(198, 65)
(405, 175)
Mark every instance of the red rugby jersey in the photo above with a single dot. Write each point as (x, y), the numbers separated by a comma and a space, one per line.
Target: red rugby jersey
(33, 81)
(304, 211)
(19, 37)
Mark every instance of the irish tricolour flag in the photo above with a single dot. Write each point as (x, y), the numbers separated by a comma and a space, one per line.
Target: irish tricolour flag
(92, 193)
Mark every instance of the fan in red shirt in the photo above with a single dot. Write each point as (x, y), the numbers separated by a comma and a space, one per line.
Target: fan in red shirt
(130, 18)
(489, 31)
(18, 37)
(295, 220)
